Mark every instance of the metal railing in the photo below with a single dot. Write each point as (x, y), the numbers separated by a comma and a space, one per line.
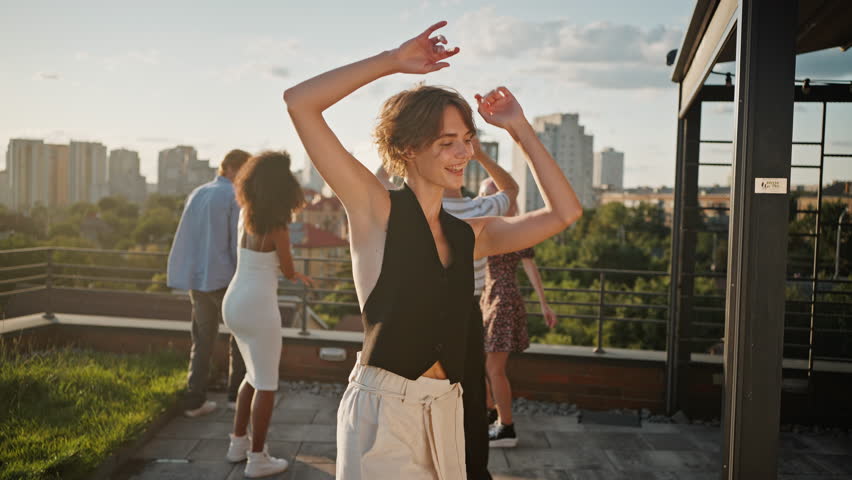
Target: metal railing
(51, 268)
(817, 323)
(630, 306)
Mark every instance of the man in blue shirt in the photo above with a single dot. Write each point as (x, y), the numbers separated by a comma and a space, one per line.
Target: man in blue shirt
(202, 260)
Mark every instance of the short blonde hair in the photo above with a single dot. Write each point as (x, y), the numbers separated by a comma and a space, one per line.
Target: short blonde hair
(412, 119)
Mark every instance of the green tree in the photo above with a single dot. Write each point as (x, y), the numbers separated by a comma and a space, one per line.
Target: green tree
(65, 230)
(157, 226)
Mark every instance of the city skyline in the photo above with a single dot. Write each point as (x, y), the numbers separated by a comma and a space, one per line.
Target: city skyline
(163, 75)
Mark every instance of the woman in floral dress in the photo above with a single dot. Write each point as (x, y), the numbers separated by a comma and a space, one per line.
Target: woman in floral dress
(505, 320)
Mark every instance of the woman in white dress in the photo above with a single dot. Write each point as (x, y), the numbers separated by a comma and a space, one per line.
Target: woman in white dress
(268, 194)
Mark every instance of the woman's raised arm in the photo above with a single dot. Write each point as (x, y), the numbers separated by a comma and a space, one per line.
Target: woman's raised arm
(358, 189)
(495, 235)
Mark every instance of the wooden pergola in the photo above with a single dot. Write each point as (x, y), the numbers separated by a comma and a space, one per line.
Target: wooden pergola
(762, 38)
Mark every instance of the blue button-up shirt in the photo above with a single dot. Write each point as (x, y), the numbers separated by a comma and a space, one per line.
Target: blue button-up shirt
(204, 252)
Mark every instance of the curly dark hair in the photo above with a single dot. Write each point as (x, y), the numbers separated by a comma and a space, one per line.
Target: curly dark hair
(268, 192)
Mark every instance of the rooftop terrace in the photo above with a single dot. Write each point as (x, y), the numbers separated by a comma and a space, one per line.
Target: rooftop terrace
(551, 447)
(104, 300)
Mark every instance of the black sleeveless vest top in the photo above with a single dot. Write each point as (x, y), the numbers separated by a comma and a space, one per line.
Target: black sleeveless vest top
(417, 314)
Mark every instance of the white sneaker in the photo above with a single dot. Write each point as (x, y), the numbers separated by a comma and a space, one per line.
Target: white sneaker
(238, 448)
(205, 408)
(260, 464)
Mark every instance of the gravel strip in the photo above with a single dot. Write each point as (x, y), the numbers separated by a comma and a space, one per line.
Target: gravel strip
(523, 406)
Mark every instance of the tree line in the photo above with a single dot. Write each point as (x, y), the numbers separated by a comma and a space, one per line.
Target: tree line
(611, 236)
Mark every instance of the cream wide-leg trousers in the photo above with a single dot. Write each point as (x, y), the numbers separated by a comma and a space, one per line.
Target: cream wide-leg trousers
(389, 427)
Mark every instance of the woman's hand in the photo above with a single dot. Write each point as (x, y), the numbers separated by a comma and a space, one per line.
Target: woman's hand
(301, 277)
(549, 316)
(422, 54)
(500, 108)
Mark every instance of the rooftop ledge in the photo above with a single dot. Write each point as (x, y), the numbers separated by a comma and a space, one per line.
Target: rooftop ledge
(324, 336)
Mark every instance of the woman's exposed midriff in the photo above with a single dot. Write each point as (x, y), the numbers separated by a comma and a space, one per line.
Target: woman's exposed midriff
(436, 371)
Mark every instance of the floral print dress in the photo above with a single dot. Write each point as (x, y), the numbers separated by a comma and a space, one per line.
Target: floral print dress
(504, 316)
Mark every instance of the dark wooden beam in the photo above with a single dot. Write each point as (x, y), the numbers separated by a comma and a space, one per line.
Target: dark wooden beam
(754, 305)
(684, 224)
(836, 93)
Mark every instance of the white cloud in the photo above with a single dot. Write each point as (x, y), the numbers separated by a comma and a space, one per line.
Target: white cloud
(485, 32)
(279, 72)
(255, 68)
(112, 63)
(46, 76)
(600, 54)
(121, 60)
(265, 47)
(149, 57)
(267, 57)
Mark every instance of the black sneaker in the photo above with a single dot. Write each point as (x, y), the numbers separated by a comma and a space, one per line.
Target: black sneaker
(502, 436)
(492, 416)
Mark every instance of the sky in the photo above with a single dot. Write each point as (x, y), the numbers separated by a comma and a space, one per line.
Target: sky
(151, 76)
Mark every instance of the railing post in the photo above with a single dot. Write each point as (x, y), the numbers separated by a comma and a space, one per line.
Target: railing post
(48, 283)
(306, 270)
(599, 346)
(837, 248)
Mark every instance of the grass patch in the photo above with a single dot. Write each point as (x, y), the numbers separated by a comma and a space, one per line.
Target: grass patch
(63, 411)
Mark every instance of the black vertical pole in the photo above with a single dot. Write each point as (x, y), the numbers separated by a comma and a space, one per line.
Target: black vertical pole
(48, 310)
(601, 302)
(754, 306)
(307, 270)
(672, 339)
(816, 239)
(684, 224)
(690, 218)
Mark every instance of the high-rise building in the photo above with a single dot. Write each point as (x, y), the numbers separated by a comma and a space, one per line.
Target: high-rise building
(54, 175)
(124, 177)
(87, 172)
(172, 168)
(179, 171)
(609, 169)
(5, 189)
(29, 173)
(58, 161)
(199, 173)
(37, 174)
(475, 173)
(571, 147)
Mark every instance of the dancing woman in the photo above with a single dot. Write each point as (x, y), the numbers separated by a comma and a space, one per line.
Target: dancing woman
(268, 195)
(401, 414)
(504, 319)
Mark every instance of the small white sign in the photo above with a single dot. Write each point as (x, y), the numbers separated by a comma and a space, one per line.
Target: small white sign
(770, 185)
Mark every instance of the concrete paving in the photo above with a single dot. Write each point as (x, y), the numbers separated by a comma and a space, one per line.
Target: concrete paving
(550, 447)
